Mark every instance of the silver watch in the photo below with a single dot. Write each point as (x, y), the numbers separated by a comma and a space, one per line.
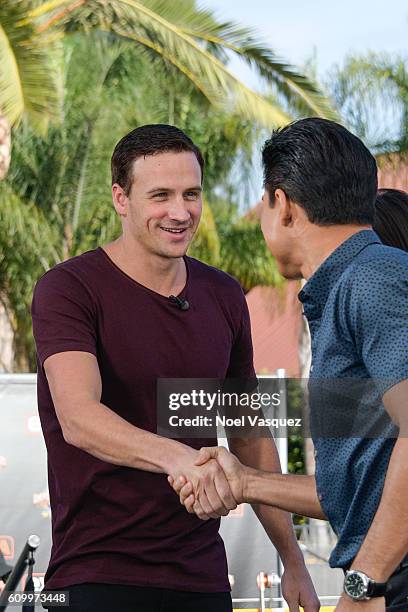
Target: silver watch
(360, 587)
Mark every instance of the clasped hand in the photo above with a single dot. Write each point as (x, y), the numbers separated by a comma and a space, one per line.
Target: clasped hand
(197, 494)
(212, 486)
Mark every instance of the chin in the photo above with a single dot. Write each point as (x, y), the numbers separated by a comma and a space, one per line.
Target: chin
(289, 271)
(174, 253)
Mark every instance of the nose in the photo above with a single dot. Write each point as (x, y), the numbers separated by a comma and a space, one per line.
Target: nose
(178, 210)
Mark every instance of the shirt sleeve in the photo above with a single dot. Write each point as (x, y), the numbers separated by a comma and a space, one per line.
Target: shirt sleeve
(380, 320)
(242, 355)
(63, 315)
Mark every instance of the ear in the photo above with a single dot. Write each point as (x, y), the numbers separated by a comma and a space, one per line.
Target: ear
(287, 208)
(120, 200)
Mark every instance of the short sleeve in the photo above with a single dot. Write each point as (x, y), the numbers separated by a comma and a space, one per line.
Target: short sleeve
(242, 355)
(63, 315)
(380, 320)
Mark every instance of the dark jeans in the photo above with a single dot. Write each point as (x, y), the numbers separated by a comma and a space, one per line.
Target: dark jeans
(396, 598)
(115, 598)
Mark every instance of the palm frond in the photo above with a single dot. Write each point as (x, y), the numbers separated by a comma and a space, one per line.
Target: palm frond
(29, 69)
(135, 21)
(202, 25)
(21, 265)
(19, 221)
(245, 43)
(206, 244)
(244, 255)
(371, 92)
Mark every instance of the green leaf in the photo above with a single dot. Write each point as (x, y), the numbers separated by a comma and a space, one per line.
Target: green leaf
(182, 48)
(29, 67)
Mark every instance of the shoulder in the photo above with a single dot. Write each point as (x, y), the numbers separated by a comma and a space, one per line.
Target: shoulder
(376, 283)
(379, 258)
(376, 268)
(221, 281)
(69, 276)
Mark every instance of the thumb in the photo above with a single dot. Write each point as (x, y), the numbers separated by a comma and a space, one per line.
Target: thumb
(205, 454)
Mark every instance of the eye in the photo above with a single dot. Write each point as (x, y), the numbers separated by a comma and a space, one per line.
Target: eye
(160, 196)
(191, 195)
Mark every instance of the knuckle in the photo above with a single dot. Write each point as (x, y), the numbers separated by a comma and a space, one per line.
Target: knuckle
(219, 509)
(232, 505)
(213, 467)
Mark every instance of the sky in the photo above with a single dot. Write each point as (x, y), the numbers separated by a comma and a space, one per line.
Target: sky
(296, 29)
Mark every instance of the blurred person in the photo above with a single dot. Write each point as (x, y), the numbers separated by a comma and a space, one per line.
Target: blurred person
(107, 324)
(391, 217)
(318, 211)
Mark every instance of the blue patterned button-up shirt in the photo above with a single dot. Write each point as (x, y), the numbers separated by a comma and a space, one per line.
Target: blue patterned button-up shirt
(356, 305)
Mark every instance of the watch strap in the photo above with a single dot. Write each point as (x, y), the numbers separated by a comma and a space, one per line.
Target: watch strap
(376, 589)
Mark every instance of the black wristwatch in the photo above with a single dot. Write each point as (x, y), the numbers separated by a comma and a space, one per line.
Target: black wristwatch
(359, 586)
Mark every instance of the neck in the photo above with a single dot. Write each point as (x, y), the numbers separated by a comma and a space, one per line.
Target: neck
(321, 242)
(160, 274)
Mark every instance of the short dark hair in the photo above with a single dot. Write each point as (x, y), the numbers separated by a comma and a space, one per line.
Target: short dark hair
(325, 169)
(391, 217)
(148, 140)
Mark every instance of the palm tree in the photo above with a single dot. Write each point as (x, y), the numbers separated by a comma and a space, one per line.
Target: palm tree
(191, 40)
(57, 190)
(371, 93)
(177, 33)
(136, 64)
(29, 79)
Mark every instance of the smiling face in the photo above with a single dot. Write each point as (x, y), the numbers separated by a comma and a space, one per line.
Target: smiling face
(162, 211)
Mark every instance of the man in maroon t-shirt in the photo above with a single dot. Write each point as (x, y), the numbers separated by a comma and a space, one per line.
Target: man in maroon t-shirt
(106, 330)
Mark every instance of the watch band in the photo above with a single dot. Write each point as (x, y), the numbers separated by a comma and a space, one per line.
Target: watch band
(376, 589)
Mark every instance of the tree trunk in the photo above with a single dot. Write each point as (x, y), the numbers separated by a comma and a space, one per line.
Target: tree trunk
(6, 342)
(5, 146)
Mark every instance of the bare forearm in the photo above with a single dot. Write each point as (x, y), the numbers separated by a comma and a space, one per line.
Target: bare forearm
(386, 543)
(291, 492)
(76, 389)
(105, 435)
(261, 454)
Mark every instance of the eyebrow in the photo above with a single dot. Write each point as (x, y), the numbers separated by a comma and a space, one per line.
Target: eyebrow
(197, 188)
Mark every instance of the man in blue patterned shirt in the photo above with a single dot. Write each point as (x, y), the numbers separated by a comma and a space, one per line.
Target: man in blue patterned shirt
(318, 208)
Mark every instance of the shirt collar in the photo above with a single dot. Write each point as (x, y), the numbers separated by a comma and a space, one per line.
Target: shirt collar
(316, 291)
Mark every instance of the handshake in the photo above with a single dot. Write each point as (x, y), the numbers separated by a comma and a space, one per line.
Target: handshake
(213, 481)
(213, 485)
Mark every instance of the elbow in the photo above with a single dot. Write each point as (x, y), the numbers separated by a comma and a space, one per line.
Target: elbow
(72, 436)
(72, 423)
(69, 436)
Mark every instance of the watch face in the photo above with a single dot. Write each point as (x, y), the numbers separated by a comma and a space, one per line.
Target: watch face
(355, 586)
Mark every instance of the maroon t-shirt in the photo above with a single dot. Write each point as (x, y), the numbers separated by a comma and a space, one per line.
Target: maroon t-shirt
(116, 524)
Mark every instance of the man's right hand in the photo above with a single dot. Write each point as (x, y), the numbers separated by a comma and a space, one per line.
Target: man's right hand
(207, 483)
(232, 470)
